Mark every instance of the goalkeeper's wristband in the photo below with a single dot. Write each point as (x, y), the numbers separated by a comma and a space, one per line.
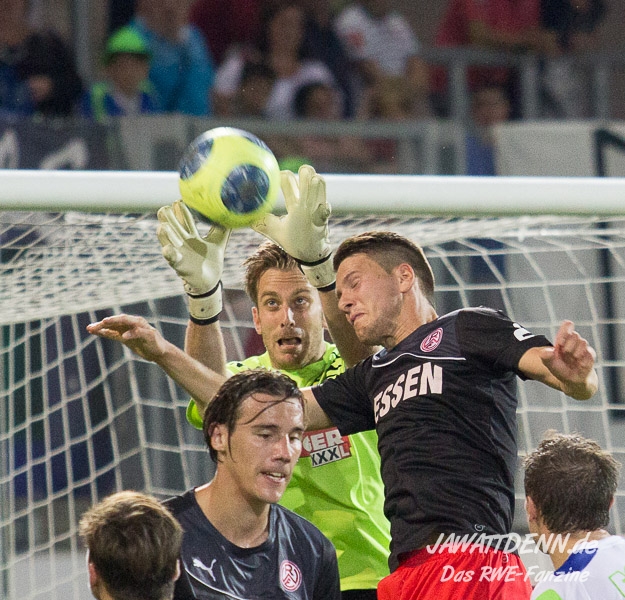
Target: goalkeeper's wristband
(205, 309)
(321, 274)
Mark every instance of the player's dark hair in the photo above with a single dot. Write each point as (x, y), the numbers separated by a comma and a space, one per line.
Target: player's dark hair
(389, 250)
(267, 256)
(134, 544)
(572, 482)
(225, 408)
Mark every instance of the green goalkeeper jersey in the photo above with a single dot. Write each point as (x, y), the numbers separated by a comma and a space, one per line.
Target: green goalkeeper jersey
(336, 483)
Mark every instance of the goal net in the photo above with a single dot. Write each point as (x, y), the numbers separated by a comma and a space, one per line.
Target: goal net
(81, 417)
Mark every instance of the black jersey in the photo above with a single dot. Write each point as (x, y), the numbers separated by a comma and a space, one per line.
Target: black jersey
(295, 562)
(443, 402)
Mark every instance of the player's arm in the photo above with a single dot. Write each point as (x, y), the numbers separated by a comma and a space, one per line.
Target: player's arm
(316, 417)
(146, 341)
(196, 378)
(198, 261)
(206, 344)
(352, 350)
(568, 366)
(303, 234)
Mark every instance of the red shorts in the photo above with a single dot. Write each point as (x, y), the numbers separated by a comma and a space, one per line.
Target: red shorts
(481, 574)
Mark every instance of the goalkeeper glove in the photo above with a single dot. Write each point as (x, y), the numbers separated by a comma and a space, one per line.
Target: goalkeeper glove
(197, 260)
(303, 231)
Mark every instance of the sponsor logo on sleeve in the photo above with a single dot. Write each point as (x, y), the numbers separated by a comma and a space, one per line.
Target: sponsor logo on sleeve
(325, 446)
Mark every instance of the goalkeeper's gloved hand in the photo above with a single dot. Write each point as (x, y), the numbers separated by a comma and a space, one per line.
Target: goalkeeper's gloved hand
(199, 261)
(303, 231)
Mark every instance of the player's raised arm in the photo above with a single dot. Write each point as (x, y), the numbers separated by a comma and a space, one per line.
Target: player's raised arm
(196, 378)
(198, 261)
(303, 233)
(567, 366)
(143, 339)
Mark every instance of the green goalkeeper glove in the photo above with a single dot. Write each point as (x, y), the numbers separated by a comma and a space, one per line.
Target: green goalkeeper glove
(199, 261)
(303, 231)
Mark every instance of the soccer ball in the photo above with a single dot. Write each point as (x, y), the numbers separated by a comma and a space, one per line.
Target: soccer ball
(229, 177)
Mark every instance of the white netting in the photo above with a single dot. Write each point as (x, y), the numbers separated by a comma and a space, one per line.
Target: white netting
(81, 418)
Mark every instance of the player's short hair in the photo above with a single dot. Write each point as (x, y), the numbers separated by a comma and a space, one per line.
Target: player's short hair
(389, 250)
(225, 408)
(267, 256)
(572, 482)
(134, 544)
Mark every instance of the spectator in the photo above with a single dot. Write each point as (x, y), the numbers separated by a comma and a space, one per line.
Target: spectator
(381, 44)
(182, 68)
(257, 80)
(38, 75)
(329, 154)
(388, 99)
(227, 24)
(570, 484)
(280, 48)
(127, 89)
(575, 25)
(133, 544)
(489, 107)
(321, 42)
(504, 25)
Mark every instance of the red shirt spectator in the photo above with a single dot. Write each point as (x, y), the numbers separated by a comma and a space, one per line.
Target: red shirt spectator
(225, 23)
(508, 25)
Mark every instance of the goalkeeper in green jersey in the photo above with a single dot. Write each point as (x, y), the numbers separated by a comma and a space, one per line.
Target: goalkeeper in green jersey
(290, 280)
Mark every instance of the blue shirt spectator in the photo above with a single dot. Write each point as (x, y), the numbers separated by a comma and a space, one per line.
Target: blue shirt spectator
(182, 68)
(489, 107)
(480, 156)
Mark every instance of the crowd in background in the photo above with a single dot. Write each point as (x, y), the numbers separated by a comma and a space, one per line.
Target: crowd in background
(295, 59)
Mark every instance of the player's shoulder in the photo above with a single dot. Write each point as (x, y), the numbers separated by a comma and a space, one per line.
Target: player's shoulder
(332, 356)
(475, 313)
(251, 362)
(299, 527)
(178, 505)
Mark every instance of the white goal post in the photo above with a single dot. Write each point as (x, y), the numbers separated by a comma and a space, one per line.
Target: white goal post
(143, 191)
(81, 417)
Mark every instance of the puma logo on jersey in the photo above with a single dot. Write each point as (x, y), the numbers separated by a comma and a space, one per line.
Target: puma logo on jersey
(200, 565)
(426, 378)
(325, 446)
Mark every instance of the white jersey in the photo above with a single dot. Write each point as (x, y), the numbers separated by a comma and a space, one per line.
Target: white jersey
(388, 40)
(596, 571)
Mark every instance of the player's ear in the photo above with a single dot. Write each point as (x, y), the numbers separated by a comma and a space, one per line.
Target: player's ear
(530, 509)
(177, 573)
(256, 320)
(406, 277)
(219, 437)
(93, 575)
